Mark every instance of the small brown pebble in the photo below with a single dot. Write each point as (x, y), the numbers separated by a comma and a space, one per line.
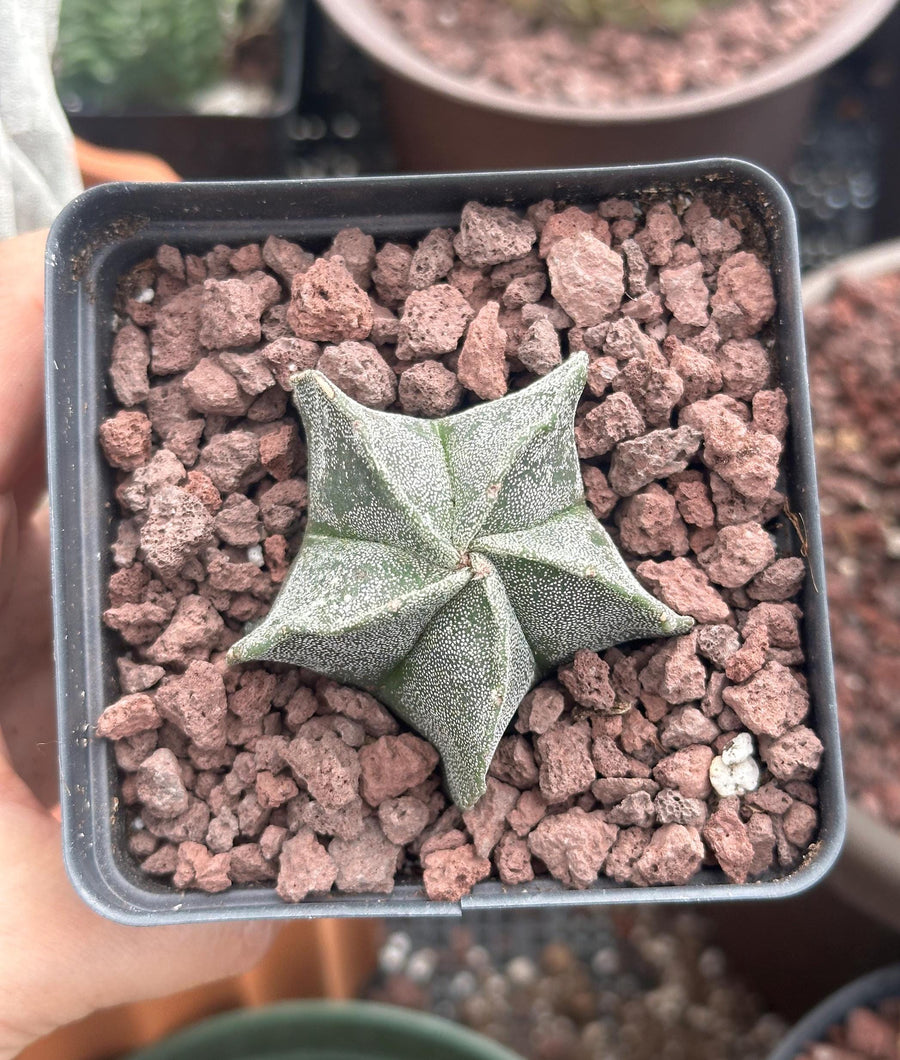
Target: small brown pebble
(685, 588)
(403, 819)
(573, 845)
(175, 335)
(196, 703)
(674, 855)
(449, 875)
(212, 390)
(726, 835)
(739, 553)
(177, 527)
(482, 363)
(795, 755)
(367, 864)
(486, 820)
(779, 581)
(432, 260)
(587, 680)
(489, 235)
(325, 765)
(539, 349)
(392, 765)
(285, 258)
(649, 523)
(128, 716)
(566, 768)
(230, 310)
(614, 420)
(305, 867)
(540, 709)
(687, 771)
(432, 323)
(800, 824)
(586, 278)
(770, 702)
(513, 860)
(656, 455)
(159, 784)
(744, 299)
(128, 365)
(125, 439)
(327, 305)
(429, 389)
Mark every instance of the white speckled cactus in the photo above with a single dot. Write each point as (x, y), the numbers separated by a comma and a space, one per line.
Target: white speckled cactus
(633, 14)
(448, 564)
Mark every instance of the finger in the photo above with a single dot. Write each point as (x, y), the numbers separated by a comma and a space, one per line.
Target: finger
(27, 699)
(21, 358)
(9, 536)
(14, 792)
(66, 961)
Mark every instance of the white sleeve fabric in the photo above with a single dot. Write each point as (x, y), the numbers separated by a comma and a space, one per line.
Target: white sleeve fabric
(38, 172)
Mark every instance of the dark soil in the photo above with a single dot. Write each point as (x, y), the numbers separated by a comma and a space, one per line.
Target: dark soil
(854, 353)
(272, 774)
(486, 40)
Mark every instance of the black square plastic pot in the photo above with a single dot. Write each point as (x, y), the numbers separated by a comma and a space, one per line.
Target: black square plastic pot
(107, 230)
(213, 146)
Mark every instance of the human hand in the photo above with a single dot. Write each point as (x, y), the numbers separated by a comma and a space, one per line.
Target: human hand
(60, 960)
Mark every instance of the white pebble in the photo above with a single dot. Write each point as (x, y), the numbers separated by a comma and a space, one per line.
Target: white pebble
(255, 555)
(738, 750)
(733, 780)
(521, 971)
(145, 296)
(420, 966)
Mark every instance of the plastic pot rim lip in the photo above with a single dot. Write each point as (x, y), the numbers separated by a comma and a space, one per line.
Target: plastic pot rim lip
(79, 247)
(868, 839)
(371, 30)
(869, 989)
(425, 1029)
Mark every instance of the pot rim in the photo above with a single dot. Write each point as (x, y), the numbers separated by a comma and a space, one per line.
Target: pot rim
(312, 1022)
(110, 227)
(371, 31)
(868, 874)
(869, 989)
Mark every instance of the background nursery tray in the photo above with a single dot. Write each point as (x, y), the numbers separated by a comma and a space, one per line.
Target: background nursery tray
(105, 232)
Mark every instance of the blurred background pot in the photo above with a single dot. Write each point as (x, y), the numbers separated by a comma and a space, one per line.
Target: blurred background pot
(325, 1030)
(869, 991)
(215, 123)
(760, 118)
(868, 873)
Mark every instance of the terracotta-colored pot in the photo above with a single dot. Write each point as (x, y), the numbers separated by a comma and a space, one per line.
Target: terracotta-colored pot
(442, 121)
(868, 872)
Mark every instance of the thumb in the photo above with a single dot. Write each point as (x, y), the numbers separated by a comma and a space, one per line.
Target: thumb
(9, 539)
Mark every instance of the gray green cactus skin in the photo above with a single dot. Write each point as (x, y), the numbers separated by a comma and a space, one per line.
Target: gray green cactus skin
(132, 52)
(671, 15)
(449, 564)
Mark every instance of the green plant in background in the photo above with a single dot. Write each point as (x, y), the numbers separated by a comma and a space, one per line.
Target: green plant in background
(141, 52)
(633, 14)
(449, 564)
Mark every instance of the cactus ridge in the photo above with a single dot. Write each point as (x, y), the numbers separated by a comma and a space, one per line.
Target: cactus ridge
(449, 564)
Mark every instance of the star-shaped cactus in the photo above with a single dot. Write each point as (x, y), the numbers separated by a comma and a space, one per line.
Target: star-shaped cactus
(449, 564)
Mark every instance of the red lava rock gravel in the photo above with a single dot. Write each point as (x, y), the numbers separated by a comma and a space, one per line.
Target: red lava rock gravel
(866, 1034)
(854, 340)
(275, 776)
(488, 41)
